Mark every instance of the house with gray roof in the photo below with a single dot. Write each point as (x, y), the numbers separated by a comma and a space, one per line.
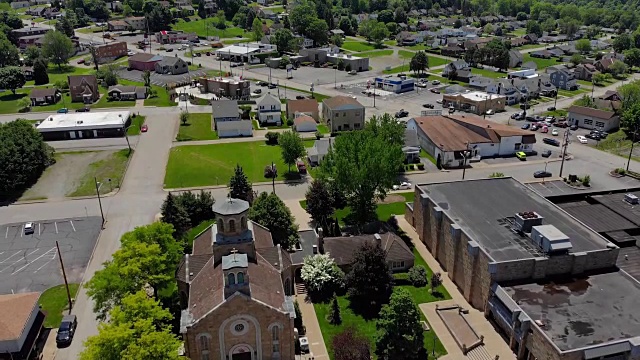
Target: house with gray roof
(319, 150)
(226, 119)
(171, 65)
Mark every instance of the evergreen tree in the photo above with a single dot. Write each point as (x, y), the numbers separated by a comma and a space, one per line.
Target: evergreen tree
(174, 214)
(239, 185)
(320, 203)
(335, 318)
(40, 75)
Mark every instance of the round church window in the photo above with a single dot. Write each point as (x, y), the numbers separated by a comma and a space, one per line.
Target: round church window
(239, 328)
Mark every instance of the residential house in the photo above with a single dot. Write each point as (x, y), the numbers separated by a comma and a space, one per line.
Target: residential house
(51, 13)
(480, 82)
(516, 89)
(171, 65)
(210, 6)
(226, 119)
(541, 54)
(343, 113)
(22, 322)
(30, 40)
(563, 79)
(530, 65)
(337, 32)
(304, 123)
(111, 51)
(143, 61)
(556, 52)
(117, 25)
(447, 138)
(136, 23)
(187, 10)
(269, 110)
(589, 118)
(20, 4)
(599, 44)
(83, 88)
(122, 92)
(477, 43)
(36, 11)
(44, 96)
(453, 50)
(531, 38)
(603, 64)
(518, 41)
(299, 107)
(476, 102)
(267, 14)
(456, 66)
(319, 150)
(515, 58)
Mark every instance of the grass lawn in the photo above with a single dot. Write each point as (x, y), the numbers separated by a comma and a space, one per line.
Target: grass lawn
(398, 69)
(104, 102)
(426, 155)
(437, 61)
(111, 168)
(573, 92)
(317, 96)
(357, 46)
(136, 124)
(323, 128)
(418, 47)
(198, 27)
(529, 46)
(235, 41)
(488, 73)
(56, 74)
(520, 32)
(54, 301)
(542, 63)
(161, 99)
(368, 327)
(406, 54)
(193, 232)
(198, 128)
(374, 53)
(201, 165)
(390, 42)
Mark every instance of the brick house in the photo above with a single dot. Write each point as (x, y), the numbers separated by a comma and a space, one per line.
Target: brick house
(302, 107)
(111, 51)
(83, 88)
(343, 113)
(235, 291)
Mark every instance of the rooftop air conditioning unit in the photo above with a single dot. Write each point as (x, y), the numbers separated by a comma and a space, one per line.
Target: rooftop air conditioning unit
(79, 122)
(631, 199)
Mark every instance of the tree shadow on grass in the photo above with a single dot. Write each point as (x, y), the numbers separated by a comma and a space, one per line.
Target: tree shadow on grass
(367, 309)
(187, 124)
(12, 97)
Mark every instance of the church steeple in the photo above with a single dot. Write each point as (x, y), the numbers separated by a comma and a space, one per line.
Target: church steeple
(232, 230)
(236, 278)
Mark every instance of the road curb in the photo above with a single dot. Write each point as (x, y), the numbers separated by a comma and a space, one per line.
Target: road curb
(213, 187)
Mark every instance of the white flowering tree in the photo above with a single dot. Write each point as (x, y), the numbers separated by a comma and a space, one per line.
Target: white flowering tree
(321, 275)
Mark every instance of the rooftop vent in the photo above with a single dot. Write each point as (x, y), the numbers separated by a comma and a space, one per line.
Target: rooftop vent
(527, 219)
(631, 199)
(79, 122)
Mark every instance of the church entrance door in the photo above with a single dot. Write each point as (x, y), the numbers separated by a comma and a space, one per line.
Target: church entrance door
(242, 356)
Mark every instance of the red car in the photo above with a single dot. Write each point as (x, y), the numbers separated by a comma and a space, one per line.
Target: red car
(81, 61)
(144, 128)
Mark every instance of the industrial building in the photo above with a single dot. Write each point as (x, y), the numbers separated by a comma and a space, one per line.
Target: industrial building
(548, 282)
(84, 125)
(395, 84)
(226, 87)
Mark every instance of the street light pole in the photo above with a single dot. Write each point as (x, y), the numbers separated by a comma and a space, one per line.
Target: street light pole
(545, 170)
(564, 149)
(633, 140)
(465, 154)
(99, 201)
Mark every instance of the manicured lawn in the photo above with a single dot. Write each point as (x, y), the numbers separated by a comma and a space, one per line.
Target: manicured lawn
(198, 26)
(368, 327)
(235, 41)
(104, 102)
(201, 165)
(357, 46)
(418, 47)
(529, 46)
(56, 74)
(426, 155)
(390, 42)
(573, 92)
(437, 61)
(488, 73)
(198, 128)
(317, 96)
(161, 99)
(323, 128)
(111, 168)
(374, 53)
(520, 32)
(136, 124)
(406, 54)
(542, 63)
(54, 301)
(398, 69)
(276, 9)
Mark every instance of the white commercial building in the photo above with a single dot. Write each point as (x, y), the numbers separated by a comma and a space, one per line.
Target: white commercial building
(84, 125)
(244, 51)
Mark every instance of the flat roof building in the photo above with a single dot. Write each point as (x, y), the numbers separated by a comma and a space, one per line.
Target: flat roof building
(477, 102)
(395, 84)
(84, 125)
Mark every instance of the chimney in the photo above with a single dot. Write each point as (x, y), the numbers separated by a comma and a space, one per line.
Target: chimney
(320, 240)
(378, 239)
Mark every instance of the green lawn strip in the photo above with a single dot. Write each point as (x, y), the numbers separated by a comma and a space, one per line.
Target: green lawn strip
(235, 41)
(357, 46)
(390, 42)
(406, 54)
(424, 154)
(323, 129)
(368, 327)
(136, 124)
(202, 165)
(198, 27)
(374, 53)
(197, 128)
(520, 32)
(488, 73)
(573, 92)
(398, 69)
(437, 61)
(54, 301)
(418, 47)
(542, 63)
(112, 168)
(529, 46)
(105, 102)
(317, 96)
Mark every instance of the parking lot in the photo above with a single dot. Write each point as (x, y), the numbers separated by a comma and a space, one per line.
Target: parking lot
(30, 262)
(160, 79)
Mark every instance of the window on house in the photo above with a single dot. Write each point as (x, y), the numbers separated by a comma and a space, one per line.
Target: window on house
(203, 344)
(261, 107)
(240, 278)
(356, 126)
(599, 124)
(588, 122)
(275, 338)
(273, 107)
(232, 225)
(518, 146)
(231, 279)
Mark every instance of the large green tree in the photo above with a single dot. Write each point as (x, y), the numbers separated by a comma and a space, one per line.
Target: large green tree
(583, 46)
(291, 146)
(301, 16)
(318, 32)
(138, 329)
(173, 213)
(148, 256)
(419, 62)
(271, 212)
(57, 47)
(400, 334)
(23, 155)
(256, 29)
(379, 32)
(622, 42)
(369, 281)
(12, 78)
(284, 40)
(67, 24)
(40, 71)
(198, 207)
(320, 203)
(31, 54)
(239, 185)
(364, 164)
(9, 55)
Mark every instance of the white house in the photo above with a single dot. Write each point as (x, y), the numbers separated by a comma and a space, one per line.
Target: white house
(19, 4)
(269, 110)
(589, 118)
(319, 150)
(304, 123)
(457, 65)
(226, 120)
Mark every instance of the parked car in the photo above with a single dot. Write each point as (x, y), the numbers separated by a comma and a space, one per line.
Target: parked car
(573, 127)
(439, 101)
(81, 61)
(551, 108)
(593, 135)
(428, 106)
(62, 111)
(546, 153)
(545, 129)
(562, 124)
(525, 126)
(582, 139)
(421, 84)
(302, 168)
(551, 141)
(262, 83)
(402, 113)
(554, 132)
(353, 72)
(435, 91)
(521, 155)
(272, 86)
(300, 97)
(489, 112)
(530, 118)
(402, 186)
(550, 119)
(257, 91)
(130, 53)
(84, 109)
(208, 53)
(66, 330)
(170, 50)
(144, 128)
(28, 228)
(435, 82)
(534, 127)
(541, 174)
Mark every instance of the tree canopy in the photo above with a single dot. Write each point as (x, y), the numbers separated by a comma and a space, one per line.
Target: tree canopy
(57, 47)
(400, 334)
(9, 55)
(239, 185)
(176, 215)
(292, 147)
(321, 275)
(369, 281)
(320, 202)
(419, 62)
(270, 211)
(12, 78)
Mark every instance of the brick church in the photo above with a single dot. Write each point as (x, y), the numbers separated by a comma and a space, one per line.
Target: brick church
(235, 291)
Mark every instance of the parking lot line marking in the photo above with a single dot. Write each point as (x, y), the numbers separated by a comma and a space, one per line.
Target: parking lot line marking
(74, 228)
(45, 264)
(31, 262)
(39, 224)
(17, 261)
(56, 224)
(6, 233)
(9, 257)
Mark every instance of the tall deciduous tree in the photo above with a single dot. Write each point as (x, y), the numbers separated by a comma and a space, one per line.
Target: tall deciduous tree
(320, 204)
(618, 68)
(364, 165)
(138, 329)
(12, 78)
(239, 185)
(283, 39)
(256, 29)
(583, 45)
(9, 55)
(31, 54)
(317, 31)
(23, 156)
(174, 214)
(400, 335)
(292, 147)
(622, 42)
(301, 16)
(350, 345)
(270, 211)
(369, 281)
(57, 47)
(419, 62)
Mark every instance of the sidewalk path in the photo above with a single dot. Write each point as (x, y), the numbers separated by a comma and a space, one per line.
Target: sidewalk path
(302, 217)
(314, 334)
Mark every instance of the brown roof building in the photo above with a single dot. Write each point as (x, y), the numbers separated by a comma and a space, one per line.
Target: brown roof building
(343, 113)
(304, 106)
(20, 324)
(456, 140)
(111, 51)
(590, 118)
(235, 291)
(44, 96)
(83, 88)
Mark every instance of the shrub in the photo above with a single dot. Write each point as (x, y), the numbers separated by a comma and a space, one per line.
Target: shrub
(319, 135)
(272, 137)
(289, 122)
(348, 67)
(421, 166)
(418, 276)
(620, 171)
(586, 180)
(496, 175)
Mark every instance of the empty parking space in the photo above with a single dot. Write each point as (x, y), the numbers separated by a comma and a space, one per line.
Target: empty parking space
(29, 260)
(552, 188)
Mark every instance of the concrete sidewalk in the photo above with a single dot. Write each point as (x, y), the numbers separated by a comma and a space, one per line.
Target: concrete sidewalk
(303, 219)
(314, 334)
(493, 342)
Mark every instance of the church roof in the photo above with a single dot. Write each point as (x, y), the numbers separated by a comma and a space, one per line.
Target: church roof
(230, 207)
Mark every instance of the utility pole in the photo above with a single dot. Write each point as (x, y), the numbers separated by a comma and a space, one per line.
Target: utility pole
(274, 173)
(335, 77)
(64, 276)
(565, 145)
(99, 201)
(633, 140)
(465, 154)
